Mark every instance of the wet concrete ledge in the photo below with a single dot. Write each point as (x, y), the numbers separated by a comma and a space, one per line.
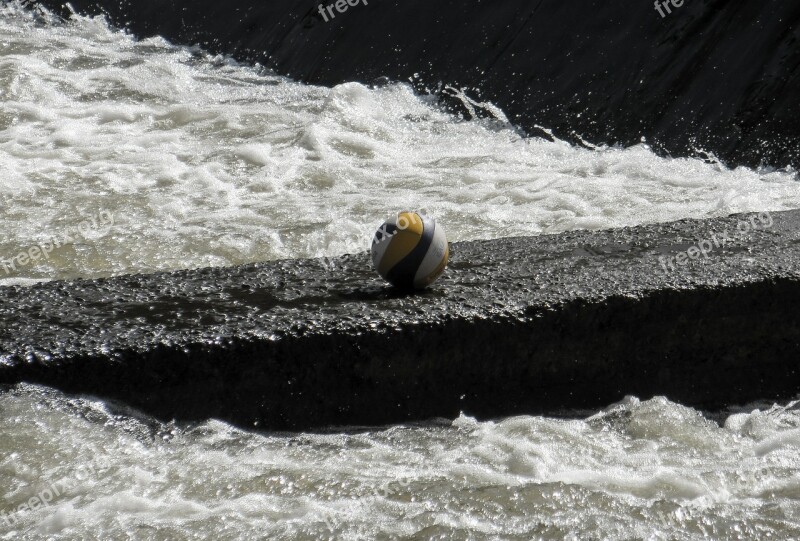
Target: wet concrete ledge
(716, 76)
(518, 325)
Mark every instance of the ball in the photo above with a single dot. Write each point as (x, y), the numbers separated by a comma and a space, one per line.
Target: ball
(410, 251)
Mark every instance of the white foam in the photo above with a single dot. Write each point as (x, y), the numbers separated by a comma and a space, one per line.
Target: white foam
(640, 469)
(205, 162)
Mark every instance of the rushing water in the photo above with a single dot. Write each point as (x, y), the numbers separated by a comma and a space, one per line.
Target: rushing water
(641, 470)
(203, 162)
(199, 161)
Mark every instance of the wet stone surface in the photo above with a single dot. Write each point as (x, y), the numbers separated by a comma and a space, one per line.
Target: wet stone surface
(518, 325)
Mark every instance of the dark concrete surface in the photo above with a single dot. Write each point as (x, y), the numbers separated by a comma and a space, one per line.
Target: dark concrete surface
(712, 76)
(517, 325)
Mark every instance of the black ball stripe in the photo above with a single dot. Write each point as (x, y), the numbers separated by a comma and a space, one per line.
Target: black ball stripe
(402, 274)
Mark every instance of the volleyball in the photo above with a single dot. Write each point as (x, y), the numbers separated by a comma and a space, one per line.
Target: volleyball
(410, 251)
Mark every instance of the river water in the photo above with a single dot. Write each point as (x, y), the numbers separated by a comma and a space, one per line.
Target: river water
(198, 161)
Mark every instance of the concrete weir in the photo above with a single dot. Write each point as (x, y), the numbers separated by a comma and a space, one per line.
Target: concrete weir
(517, 325)
(716, 75)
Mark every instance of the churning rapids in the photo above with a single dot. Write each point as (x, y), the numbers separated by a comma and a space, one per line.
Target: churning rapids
(200, 162)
